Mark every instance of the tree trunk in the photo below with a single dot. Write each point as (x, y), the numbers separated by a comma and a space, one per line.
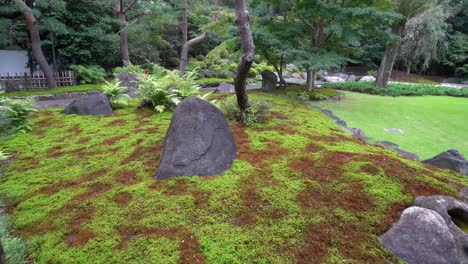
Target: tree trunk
(185, 51)
(36, 44)
(248, 52)
(388, 60)
(311, 76)
(188, 44)
(124, 40)
(2, 254)
(184, 23)
(119, 9)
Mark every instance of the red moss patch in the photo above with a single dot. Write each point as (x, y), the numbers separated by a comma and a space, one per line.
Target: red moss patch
(179, 188)
(112, 141)
(122, 198)
(75, 130)
(370, 169)
(190, 251)
(47, 122)
(126, 177)
(153, 152)
(278, 115)
(118, 122)
(127, 234)
(84, 140)
(201, 198)
(314, 148)
(79, 238)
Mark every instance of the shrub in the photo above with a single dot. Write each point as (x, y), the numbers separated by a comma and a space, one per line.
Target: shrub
(89, 74)
(254, 114)
(164, 92)
(117, 94)
(200, 57)
(16, 114)
(399, 89)
(372, 73)
(173, 62)
(130, 69)
(309, 96)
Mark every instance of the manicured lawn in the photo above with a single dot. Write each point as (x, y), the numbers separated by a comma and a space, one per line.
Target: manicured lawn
(80, 189)
(78, 88)
(431, 124)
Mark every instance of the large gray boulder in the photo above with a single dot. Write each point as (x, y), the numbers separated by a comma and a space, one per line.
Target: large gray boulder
(451, 159)
(95, 104)
(225, 88)
(421, 236)
(199, 142)
(269, 80)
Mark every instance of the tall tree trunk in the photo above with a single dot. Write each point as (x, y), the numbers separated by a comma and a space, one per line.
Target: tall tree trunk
(124, 40)
(248, 53)
(408, 68)
(311, 76)
(2, 254)
(388, 60)
(184, 23)
(121, 11)
(188, 44)
(36, 44)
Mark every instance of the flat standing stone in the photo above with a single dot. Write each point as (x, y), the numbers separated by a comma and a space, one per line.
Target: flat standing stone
(199, 142)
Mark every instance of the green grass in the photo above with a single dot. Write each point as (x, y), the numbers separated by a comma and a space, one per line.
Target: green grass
(431, 124)
(78, 88)
(80, 189)
(214, 80)
(399, 89)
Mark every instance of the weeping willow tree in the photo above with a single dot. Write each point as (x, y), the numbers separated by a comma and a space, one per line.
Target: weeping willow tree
(424, 38)
(408, 9)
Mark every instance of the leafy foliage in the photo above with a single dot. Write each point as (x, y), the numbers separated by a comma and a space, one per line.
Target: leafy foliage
(457, 54)
(254, 114)
(117, 94)
(399, 89)
(16, 114)
(130, 69)
(89, 74)
(164, 90)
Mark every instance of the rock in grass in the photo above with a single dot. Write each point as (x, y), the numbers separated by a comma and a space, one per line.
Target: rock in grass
(95, 104)
(421, 236)
(451, 159)
(225, 88)
(199, 142)
(269, 81)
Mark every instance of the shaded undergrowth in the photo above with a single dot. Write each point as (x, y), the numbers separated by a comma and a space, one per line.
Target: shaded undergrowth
(81, 190)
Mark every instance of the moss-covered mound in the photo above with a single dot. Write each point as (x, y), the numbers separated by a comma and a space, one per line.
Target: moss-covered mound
(81, 190)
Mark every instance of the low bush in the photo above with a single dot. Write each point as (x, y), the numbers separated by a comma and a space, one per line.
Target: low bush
(15, 114)
(399, 89)
(117, 94)
(130, 69)
(164, 91)
(89, 74)
(255, 113)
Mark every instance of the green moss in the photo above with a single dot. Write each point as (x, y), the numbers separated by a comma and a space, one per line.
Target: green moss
(58, 165)
(78, 88)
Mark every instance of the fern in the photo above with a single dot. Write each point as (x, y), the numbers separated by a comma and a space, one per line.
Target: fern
(117, 94)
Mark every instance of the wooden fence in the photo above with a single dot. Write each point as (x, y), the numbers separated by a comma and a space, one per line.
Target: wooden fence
(24, 81)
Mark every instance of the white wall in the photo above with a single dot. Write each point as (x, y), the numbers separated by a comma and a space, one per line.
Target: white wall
(12, 61)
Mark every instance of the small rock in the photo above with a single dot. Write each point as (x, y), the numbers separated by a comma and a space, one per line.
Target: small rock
(297, 76)
(333, 79)
(451, 159)
(387, 144)
(343, 76)
(269, 81)
(225, 88)
(351, 78)
(95, 104)
(407, 154)
(199, 142)
(368, 79)
(287, 74)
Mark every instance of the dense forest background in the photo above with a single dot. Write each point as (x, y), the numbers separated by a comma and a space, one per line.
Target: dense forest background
(313, 35)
